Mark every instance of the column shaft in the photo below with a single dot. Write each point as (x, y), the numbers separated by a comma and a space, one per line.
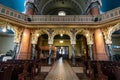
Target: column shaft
(91, 52)
(33, 52)
(24, 52)
(16, 50)
(50, 52)
(73, 54)
(100, 46)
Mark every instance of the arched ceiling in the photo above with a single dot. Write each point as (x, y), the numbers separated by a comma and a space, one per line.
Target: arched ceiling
(69, 5)
(54, 6)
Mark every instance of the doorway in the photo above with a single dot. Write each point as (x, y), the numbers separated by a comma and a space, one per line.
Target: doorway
(62, 51)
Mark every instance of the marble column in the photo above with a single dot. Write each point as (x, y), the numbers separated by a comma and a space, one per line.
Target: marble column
(33, 51)
(110, 52)
(16, 49)
(73, 54)
(24, 52)
(100, 46)
(90, 51)
(50, 52)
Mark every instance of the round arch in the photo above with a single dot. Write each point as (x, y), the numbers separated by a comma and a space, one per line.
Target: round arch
(56, 32)
(113, 29)
(87, 35)
(36, 34)
(48, 3)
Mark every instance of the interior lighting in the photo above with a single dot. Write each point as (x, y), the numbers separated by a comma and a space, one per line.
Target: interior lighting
(61, 35)
(37, 34)
(61, 13)
(24, 34)
(4, 29)
(61, 41)
(100, 34)
(86, 34)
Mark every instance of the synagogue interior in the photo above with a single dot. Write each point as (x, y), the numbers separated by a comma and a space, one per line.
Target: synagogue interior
(59, 40)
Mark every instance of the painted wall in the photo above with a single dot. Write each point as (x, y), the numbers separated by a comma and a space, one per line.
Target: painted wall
(6, 43)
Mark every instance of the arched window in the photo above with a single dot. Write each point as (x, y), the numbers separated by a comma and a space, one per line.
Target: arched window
(61, 13)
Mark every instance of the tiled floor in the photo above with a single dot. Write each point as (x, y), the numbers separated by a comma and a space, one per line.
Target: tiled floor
(61, 70)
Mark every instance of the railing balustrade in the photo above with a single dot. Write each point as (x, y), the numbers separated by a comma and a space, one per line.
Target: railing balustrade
(54, 19)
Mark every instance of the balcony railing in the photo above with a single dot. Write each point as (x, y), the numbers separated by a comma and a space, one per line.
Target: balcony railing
(54, 19)
(70, 19)
(110, 15)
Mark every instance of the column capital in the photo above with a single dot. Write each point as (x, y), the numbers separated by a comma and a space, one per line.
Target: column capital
(73, 42)
(90, 43)
(17, 37)
(108, 41)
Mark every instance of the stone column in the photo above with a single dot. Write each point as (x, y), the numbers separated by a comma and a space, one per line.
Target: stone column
(91, 52)
(17, 41)
(109, 48)
(50, 42)
(73, 54)
(33, 51)
(50, 52)
(25, 45)
(110, 52)
(16, 49)
(100, 46)
(34, 41)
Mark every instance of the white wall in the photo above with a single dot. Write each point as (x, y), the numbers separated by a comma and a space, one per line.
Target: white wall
(6, 43)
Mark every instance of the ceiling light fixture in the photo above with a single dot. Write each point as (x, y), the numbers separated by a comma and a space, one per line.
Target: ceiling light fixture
(61, 35)
(61, 41)
(86, 34)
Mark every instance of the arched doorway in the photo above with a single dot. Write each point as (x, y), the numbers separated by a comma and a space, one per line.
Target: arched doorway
(42, 47)
(81, 48)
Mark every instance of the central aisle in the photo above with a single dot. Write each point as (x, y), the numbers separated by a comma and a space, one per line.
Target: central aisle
(61, 70)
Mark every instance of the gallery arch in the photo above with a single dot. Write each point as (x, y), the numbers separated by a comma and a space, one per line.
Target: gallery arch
(114, 44)
(9, 39)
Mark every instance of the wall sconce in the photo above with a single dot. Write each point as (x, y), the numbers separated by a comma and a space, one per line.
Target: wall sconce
(4, 29)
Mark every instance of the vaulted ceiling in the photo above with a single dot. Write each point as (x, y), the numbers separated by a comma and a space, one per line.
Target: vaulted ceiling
(54, 6)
